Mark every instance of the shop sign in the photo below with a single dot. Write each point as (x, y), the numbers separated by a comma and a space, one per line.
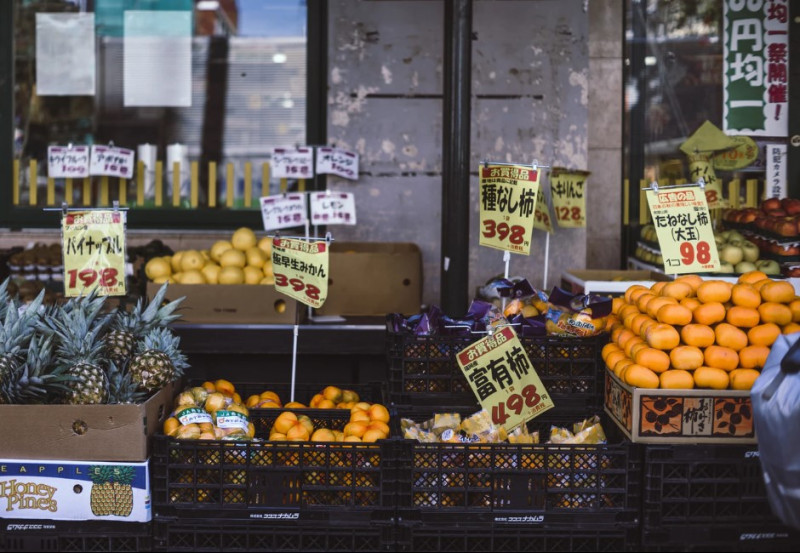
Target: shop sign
(683, 226)
(301, 269)
(569, 197)
(333, 208)
(700, 168)
(776, 171)
(503, 379)
(93, 243)
(67, 162)
(507, 206)
(335, 161)
(283, 211)
(295, 163)
(541, 218)
(756, 67)
(111, 161)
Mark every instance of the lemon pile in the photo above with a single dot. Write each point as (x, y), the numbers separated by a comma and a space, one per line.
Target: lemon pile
(244, 259)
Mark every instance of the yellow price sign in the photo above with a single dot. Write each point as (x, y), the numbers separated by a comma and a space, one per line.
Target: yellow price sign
(301, 269)
(508, 206)
(743, 154)
(700, 166)
(541, 218)
(93, 243)
(683, 226)
(568, 189)
(503, 379)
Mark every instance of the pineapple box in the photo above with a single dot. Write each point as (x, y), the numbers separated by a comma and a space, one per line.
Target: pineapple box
(71, 490)
(666, 416)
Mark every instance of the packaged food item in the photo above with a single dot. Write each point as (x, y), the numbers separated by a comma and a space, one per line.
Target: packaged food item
(576, 315)
(588, 431)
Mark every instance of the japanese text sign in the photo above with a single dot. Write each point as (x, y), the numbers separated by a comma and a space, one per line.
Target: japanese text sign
(740, 156)
(297, 163)
(67, 161)
(700, 168)
(683, 227)
(111, 161)
(776, 171)
(333, 208)
(94, 252)
(508, 205)
(541, 217)
(301, 269)
(283, 211)
(503, 379)
(335, 161)
(756, 67)
(568, 189)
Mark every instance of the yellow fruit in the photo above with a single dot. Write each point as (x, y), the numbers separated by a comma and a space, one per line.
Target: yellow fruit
(284, 422)
(743, 379)
(171, 426)
(193, 277)
(231, 275)
(252, 275)
(192, 260)
(219, 247)
(214, 402)
(267, 280)
(163, 279)
(157, 267)
(233, 258)
(305, 420)
(711, 377)
(676, 379)
(332, 393)
(211, 273)
(268, 270)
(350, 395)
(265, 244)
(177, 277)
(255, 257)
(243, 239)
(297, 433)
(225, 387)
(323, 435)
(176, 261)
(378, 412)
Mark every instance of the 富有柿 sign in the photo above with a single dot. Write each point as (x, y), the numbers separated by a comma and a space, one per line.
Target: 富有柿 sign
(93, 243)
(301, 269)
(756, 67)
(503, 379)
(507, 206)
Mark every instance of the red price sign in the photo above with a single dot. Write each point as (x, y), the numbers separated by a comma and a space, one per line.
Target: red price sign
(515, 234)
(297, 285)
(566, 214)
(301, 269)
(508, 205)
(515, 403)
(93, 243)
(107, 277)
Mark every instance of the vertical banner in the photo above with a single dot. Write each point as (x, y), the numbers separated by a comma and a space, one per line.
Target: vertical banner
(756, 67)
(700, 167)
(569, 196)
(508, 203)
(301, 269)
(94, 252)
(776, 171)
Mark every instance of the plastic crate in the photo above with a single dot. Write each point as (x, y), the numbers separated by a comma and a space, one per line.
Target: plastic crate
(722, 537)
(46, 535)
(261, 479)
(423, 369)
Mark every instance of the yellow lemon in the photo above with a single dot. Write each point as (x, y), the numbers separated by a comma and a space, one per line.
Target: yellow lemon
(252, 275)
(256, 257)
(233, 258)
(265, 244)
(192, 260)
(206, 255)
(243, 239)
(176, 261)
(163, 279)
(267, 269)
(177, 277)
(219, 247)
(231, 275)
(157, 267)
(267, 280)
(211, 273)
(193, 277)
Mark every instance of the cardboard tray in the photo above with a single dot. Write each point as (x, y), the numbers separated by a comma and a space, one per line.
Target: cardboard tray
(84, 432)
(686, 416)
(597, 281)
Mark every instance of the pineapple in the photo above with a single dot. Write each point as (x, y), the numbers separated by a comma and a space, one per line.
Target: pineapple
(37, 380)
(101, 497)
(158, 360)
(123, 491)
(16, 332)
(121, 387)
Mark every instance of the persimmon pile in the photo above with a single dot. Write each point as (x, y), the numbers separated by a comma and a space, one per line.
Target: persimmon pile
(699, 333)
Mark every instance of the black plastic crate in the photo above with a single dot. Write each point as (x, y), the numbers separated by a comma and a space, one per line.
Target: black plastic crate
(226, 535)
(722, 537)
(423, 369)
(702, 485)
(58, 535)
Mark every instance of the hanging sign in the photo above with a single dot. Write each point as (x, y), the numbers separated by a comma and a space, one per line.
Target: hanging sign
(333, 208)
(296, 163)
(111, 161)
(742, 155)
(301, 269)
(93, 243)
(541, 217)
(508, 205)
(67, 161)
(700, 168)
(776, 171)
(335, 161)
(283, 211)
(683, 226)
(503, 379)
(569, 196)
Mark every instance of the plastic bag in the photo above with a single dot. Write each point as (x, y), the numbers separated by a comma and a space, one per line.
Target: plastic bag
(776, 415)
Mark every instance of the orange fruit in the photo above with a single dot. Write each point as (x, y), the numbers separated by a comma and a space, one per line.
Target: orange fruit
(743, 317)
(209, 386)
(643, 300)
(253, 400)
(778, 291)
(677, 315)
(359, 416)
(690, 303)
(608, 348)
(323, 435)
(267, 404)
(356, 429)
(677, 289)
(333, 394)
(351, 439)
(284, 422)
(171, 426)
(631, 289)
(634, 342)
(378, 412)
(773, 312)
(791, 328)
(794, 306)
(298, 432)
(658, 286)
(752, 277)
(676, 379)
(730, 336)
(721, 357)
(714, 291)
(763, 335)
(641, 377)
(654, 359)
(224, 386)
(753, 357)
(697, 335)
(743, 379)
(372, 435)
(614, 358)
(629, 320)
(745, 295)
(325, 404)
(379, 425)
(621, 365)
(662, 336)
(638, 321)
(709, 313)
(295, 405)
(627, 310)
(687, 358)
(636, 293)
(711, 377)
(624, 336)
(692, 280)
(616, 304)
(315, 401)
(658, 303)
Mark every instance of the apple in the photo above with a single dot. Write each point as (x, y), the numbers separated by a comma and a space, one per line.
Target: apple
(751, 251)
(768, 266)
(731, 254)
(786, 226)
(770, 203)
(793, 207)
(725, 268)
(744, 267)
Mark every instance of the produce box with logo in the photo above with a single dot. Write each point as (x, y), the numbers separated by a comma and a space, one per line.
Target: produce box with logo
(610, 283)
(71, 490)
(664, 416)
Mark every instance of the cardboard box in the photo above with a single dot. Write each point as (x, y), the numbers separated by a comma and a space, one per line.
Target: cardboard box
(612, 283)
(230, 303)
(70, 490)
(659, 416)
(373, 279)
(84, 432)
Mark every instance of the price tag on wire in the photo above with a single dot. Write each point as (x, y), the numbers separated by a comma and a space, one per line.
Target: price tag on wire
(333, 208)
(508, 203)
(296, 163)
(283, 211)
(67, 161)
(301, 269)
(111, 161)
(94, 252)
(503, 379)
(569, 197)
(683, 226)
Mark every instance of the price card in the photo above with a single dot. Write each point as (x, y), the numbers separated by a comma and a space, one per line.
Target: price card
(503, 379)
(335, 161)
(743, 154)
(111, 161)
(67, 161)
(333, 208)
(683, 227)
(297, 163)
(569, 198)
(301, 269)
(541, 218)
(700, 167)
(508, 205)
(94, 252)
(283, 211)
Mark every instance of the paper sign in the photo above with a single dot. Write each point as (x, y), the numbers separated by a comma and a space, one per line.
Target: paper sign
(94, 252)
(65, 54)
(569, 198)
(111, 161)
(683, 227)
(339, 162)
(67, 162)
(707, 138)
(503, 379)
(541, 216)
(297, 163)
(283, 211)
(745, 153)
(301, 269)
(700, 168)
(776, 171)
(508, 205)
(333, 208)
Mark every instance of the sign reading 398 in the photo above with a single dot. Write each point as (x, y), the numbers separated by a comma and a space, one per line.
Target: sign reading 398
(508, 204)
(301, 269)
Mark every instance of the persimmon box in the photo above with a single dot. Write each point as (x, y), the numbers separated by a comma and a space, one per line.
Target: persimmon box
(663, 416)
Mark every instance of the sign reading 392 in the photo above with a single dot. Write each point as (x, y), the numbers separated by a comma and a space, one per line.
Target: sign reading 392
(301, 269)
(508, 204)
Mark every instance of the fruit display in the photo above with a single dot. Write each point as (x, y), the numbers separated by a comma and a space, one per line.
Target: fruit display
(244, 259)
(739, 255)
(779, 217)
(39, 262)
(212, 411)
(699, 333)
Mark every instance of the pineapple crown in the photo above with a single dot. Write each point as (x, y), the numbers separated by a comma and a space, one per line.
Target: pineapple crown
(17, 327)
(38, 376)
(162, 339)
(78, 326)
(5, 299)
(141, 318)
(121, 387)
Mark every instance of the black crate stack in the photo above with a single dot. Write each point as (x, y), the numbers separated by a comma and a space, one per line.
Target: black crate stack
(63, 535)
